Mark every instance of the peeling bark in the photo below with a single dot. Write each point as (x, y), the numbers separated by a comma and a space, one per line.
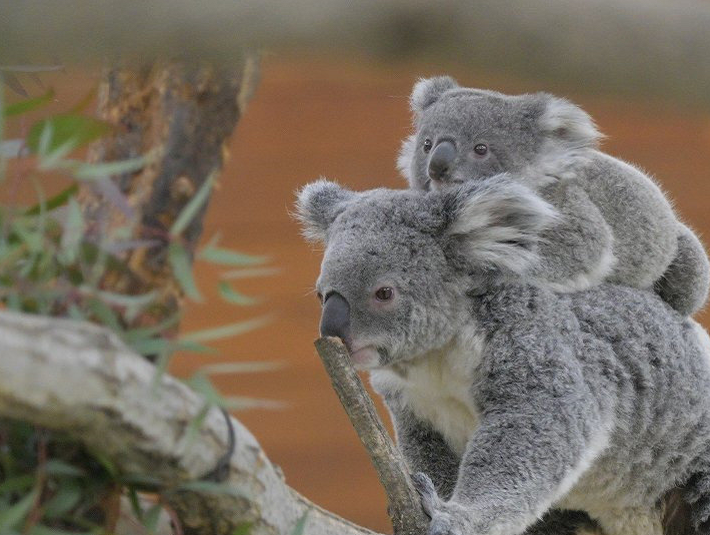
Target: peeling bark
(80, 379)
(181, 114)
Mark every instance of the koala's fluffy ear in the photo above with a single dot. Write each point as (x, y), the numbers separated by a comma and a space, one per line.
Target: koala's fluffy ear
(497, 224)
(428, 90)
(566, 122)
(317, 206)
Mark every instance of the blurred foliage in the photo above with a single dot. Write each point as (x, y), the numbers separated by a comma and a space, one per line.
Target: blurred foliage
(53, 262)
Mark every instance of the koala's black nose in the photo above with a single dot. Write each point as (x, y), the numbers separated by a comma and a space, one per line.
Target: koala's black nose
(441, 160)
(335, 317)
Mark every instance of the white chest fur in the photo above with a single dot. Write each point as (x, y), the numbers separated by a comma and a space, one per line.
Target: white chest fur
(437, 388)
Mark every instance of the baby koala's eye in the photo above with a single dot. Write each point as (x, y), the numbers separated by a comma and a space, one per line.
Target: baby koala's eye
(384, 294)
(427, 145)
(480, 149)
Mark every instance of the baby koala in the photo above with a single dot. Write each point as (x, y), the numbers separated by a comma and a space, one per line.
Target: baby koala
(615, 224)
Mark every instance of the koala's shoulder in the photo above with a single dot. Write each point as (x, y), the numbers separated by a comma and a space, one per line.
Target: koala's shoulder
(520, 306)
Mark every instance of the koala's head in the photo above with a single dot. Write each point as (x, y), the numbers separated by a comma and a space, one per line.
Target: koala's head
(466, 134)
(398, 263)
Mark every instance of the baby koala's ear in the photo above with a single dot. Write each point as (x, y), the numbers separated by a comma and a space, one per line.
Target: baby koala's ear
(428, 90)
(317, 206)
(567, 122)
(497, 224)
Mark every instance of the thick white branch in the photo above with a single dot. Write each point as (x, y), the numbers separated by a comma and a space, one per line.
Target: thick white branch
(80, 379)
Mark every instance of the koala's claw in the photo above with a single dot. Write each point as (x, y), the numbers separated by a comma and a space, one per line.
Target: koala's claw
(427, 493)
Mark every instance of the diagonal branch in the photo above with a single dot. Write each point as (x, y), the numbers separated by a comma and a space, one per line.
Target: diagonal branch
(80, 379)
(404, 508)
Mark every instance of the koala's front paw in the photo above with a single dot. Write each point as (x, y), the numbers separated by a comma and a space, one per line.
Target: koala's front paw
(447, 518)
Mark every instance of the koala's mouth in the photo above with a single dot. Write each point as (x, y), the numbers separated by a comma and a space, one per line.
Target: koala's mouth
(366, 357)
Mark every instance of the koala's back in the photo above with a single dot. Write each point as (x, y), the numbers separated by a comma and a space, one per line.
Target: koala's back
(642, 220)
(661, 375)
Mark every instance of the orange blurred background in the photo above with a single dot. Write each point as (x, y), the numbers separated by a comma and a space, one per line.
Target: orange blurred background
(345, 120)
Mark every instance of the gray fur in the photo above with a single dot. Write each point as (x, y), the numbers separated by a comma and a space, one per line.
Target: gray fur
(617, 225)
(512, 398)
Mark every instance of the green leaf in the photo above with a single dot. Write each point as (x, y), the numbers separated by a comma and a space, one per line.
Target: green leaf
(55, 467)
(301, 524)
(218, 255)
(203, 386)
(17, 483)
(240, 367)
(94, 171)
(64, 130)
(212, 487)
(191, 208)
(243, 528)
(226, 331)
(248, 273)
(150, 346)
(133, 304)
(233, 297)
(151, 517)
(73, 232)
(28, 105)
(11, 517)
(64, 500)
(182, 269)
(44, 530)
(60, 199)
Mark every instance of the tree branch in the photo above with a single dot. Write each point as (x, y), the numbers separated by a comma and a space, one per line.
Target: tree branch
(80, 379)
(404, 505)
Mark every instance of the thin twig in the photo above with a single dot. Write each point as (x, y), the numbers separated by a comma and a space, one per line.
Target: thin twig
(404, 508)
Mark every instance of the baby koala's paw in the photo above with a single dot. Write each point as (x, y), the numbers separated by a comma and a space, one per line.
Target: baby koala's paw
(447, 518)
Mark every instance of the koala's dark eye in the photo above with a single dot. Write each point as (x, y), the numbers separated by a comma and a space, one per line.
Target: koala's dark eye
(384, 294)
(427, 145)
(480, 149)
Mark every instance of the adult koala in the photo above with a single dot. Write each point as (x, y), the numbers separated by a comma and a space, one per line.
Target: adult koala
(615, 225)
(512, 398)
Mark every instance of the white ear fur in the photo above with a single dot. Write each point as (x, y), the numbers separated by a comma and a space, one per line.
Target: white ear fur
(405, 159)
(499, 223)
(569, 123)
(428, 90)
(317, 206)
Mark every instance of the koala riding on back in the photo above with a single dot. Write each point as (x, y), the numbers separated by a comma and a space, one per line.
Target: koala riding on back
(615, 223)
(512, 398)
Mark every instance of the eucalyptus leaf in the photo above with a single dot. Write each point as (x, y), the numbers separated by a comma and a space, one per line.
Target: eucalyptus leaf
(182, 269)
(67, 497)
(60, 199)
(226, 331)
(219, 255)
(73, 231)
(55, 467)
(249, 273)
(64, 130)
(240, 367)
(234, 297)
(28, 105)
(94, 171)
(15, 514)
(188, 213)
(300, 526)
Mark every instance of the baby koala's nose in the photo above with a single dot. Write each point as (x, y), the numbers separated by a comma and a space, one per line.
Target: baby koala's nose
(335, 317)
(441, 160)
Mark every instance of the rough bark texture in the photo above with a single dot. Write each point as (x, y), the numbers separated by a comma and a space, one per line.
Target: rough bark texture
(404, 505)
(81, 380)
(182, 114)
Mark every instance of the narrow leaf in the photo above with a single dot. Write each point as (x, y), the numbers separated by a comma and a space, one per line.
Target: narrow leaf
(60, 199)
(93, 171)
(240, 367)
(28, 105)
(73, 233)
(66, 498)
(11, 517)
(248, 273)
(55, 467)
(191, 208)
(300, 526)
(67, 130)
(180, 262)
(226, 331)
(231, 296)
(218, 255)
